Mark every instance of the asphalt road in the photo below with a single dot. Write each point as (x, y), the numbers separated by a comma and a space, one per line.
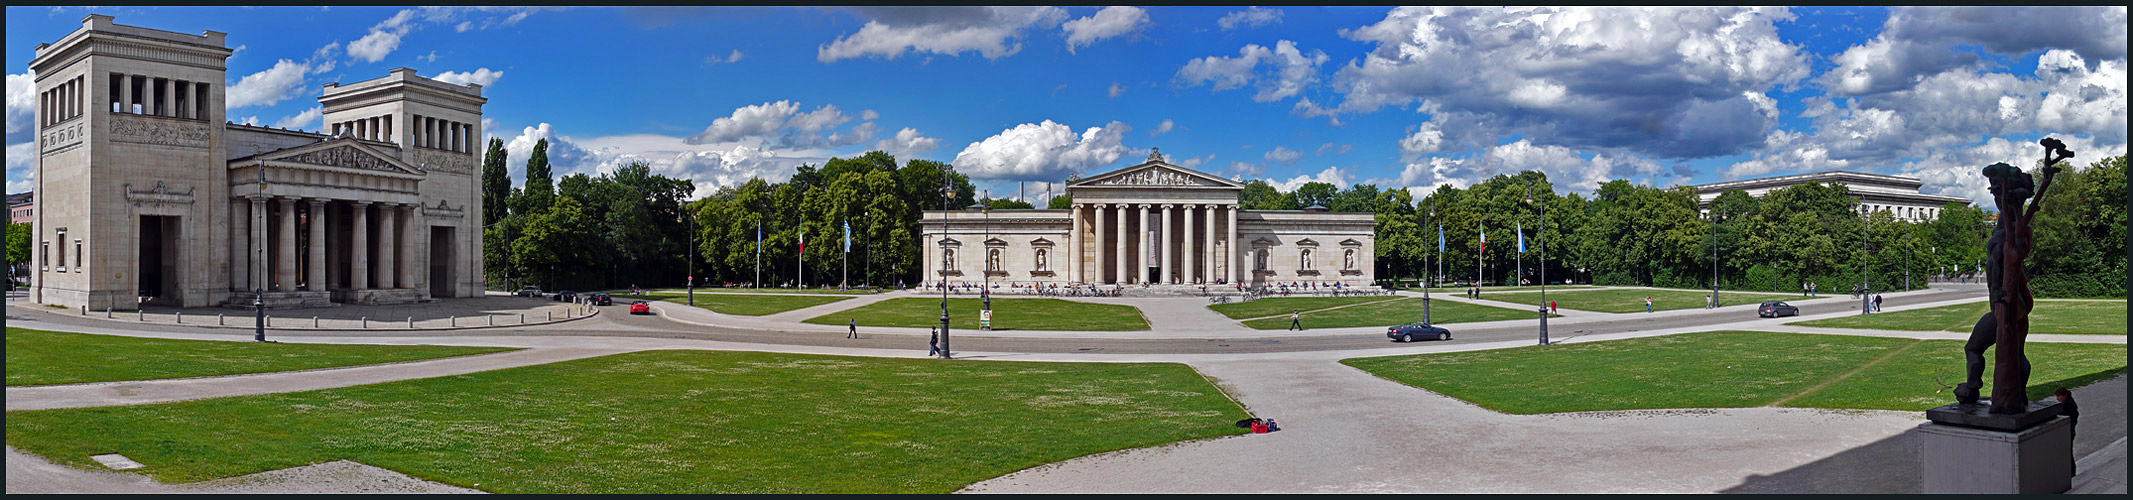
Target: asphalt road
(615, 321)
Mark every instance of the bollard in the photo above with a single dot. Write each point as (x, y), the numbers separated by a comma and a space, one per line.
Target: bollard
(314, 321)
(455, 321)
(366, 322)
(267, 321)
(140, 315)
(492, 320)
(107, 312)
(85, 309)
(218, 320)
(410, 321)
(181, 317)
(547, 315)
(521, 318)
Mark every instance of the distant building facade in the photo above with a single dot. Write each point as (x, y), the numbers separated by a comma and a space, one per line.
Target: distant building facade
(145, 194)
(1887, 193)
(21, 208)
(1151, 223)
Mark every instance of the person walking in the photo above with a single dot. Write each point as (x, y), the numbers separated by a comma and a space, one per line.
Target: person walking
(1295, 319)
(1812, 289)
(1551, 307)
(854, 333)
(1877, 302)
(1647, 303)
(1803, 289)
(933, 344)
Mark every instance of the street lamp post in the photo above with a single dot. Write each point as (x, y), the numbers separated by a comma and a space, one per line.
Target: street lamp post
(1714, 253)
(259, 295)
(689, 254)
(1425, 270)
(1542, 239)
(1866, 298)
(947, 197)
(985, 293)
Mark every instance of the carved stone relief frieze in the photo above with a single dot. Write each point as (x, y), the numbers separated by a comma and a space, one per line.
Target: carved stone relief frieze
(1151, 177)
(160, 193)
(343, 156)
(55, 138)
(161, 132)
(443, 161)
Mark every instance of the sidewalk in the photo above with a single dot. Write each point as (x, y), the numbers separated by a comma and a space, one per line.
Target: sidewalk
(439, 314)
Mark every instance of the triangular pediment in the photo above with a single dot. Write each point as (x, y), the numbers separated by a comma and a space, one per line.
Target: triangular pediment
(1155, 172)
(343, 153)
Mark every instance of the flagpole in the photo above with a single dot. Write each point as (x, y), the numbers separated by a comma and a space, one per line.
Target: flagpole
(847, 278)
(1520, 257)
(759, 252)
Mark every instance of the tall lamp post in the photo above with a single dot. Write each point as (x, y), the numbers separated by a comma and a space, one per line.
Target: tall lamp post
(947, 197)
(689, 254)
(985, 293)
(1542, 239)
(259, 295)
(1425, 268)
(1866, 298)
(1714, 252)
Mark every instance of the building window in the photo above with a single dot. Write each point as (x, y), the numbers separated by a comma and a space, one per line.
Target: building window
(44, 254)
(1305, 260)
(77, 254)
(1042, 257)
(62, 250)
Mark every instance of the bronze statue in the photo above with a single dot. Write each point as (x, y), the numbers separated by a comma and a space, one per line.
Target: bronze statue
(2007, 325)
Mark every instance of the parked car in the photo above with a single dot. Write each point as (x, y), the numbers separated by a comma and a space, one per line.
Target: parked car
(639, 307)
(600, 299)
(1774, 309)
(566, 296)
(1411, 331)
(531, 291)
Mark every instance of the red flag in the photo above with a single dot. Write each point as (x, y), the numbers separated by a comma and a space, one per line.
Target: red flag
(803, 243)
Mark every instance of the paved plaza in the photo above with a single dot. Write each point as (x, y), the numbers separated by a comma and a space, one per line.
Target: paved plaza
(1345, 431)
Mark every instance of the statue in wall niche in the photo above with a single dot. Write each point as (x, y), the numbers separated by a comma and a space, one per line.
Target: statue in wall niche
(1348, 260)
(2007, 325)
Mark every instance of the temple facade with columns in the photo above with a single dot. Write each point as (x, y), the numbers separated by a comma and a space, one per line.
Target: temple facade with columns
(1154, 223)
(146, 195)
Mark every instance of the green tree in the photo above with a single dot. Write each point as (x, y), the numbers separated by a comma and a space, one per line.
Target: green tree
(1060, 202)
(495, 183)
(1315, 193)
(540, 183)
(2080, 245)
(1258, 195)
(18, 243)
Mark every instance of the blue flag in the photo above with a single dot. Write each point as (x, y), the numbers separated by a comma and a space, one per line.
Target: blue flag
(1521, 238)
(1440, 238)
(759, 236)
(847, 236)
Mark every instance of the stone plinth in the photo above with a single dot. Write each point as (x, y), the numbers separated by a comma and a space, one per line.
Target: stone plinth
(1961, 459)
(1980, 415)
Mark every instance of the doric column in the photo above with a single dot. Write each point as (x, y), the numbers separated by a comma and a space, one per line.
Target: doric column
(1169, 252)
(388, 246)
(1124, 247)
(285, 247)
(167, 104)
(315, 269)
(429, 132)
(125, 93)
(1146, 216)
(359, 245)
(336, 247)
(1074, 253)
(1188, 270)
(1103, 242)
(1229, 259)
(240, 244)
(408, 258)
(256, 253)
(1207, 245)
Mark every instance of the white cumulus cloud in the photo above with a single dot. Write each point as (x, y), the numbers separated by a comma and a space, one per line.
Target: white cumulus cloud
(1046, 151)
(1251, 17)
(1162, 128)
(308, 119)
(1110, 22)
(21, 108)
(1292, 70)
(992, 32)
(783, 125)
(908, 142)
(383, 37)
(482, 76)
(267, 87)
(1331, 175)
(1283, 155)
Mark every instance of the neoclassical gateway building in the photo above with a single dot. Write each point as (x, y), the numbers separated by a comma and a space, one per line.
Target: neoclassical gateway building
(146, 194)
(1152, 223)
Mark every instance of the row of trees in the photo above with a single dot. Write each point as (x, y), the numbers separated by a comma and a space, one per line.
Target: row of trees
(630, 227)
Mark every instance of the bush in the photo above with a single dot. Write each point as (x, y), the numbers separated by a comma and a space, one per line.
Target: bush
(1761, 277)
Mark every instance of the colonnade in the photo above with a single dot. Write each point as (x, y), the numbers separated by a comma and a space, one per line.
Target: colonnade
(428, 132)
(340, 251)
(155, 96)
(1191, 242)
(60, 103)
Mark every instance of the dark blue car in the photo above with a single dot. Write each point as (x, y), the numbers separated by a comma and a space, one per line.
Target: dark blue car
(1411, 331)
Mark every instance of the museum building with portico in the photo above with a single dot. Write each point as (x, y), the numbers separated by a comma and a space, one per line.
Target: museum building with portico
(1154, 223)
(147, 196)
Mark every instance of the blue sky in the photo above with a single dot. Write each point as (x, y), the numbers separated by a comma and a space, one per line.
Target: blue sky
(1399, 97)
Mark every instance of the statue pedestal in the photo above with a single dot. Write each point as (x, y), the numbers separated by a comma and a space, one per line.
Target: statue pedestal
(2036, 458)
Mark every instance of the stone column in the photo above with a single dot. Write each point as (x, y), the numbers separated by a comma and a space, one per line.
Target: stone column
(285, 247)
(167, 104)
(315, 273)
(388, 245)
(1074, 252)
(125, 93)
(1169, 252)
(1188, 271)
(1124, 246)
(1229, 251)
(185, 89)
(405, 271)
(1144, 248)
(240, 244)
(359, 245)
(336, 253)
(1103, 239)
(255, 253)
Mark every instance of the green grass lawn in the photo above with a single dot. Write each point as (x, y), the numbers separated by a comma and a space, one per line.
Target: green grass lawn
(38, 357)
(1632, 300)
(743, 305)
(1284, 305)
(1394, 312)
(1008, 314)
(1727, 369)
(1486, 290)
(2050, 316)
(668, 422)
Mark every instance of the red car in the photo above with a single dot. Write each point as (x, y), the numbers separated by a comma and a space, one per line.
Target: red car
(639, 307)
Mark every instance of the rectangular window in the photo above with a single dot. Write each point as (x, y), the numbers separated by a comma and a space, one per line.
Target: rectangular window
(44, 254)
(62, 249)
(77, 254)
